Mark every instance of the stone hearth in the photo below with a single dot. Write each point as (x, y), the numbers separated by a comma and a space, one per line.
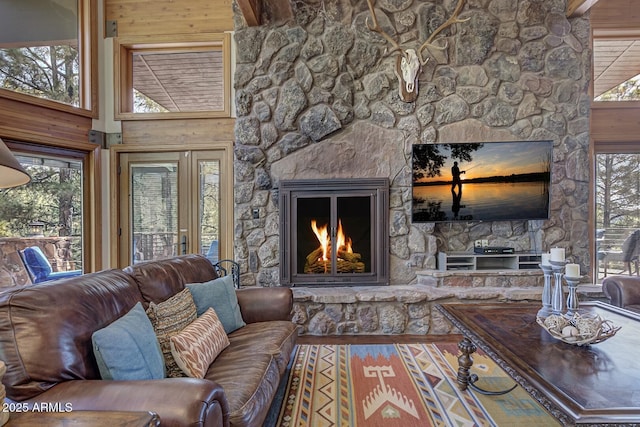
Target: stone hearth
(406, 309)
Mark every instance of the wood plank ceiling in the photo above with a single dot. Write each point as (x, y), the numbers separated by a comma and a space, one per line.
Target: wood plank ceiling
(614, 62)
(188, 81)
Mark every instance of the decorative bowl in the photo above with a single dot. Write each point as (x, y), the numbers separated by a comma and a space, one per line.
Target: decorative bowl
(578, 330)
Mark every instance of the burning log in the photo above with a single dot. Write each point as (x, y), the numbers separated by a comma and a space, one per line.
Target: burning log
(347, 262)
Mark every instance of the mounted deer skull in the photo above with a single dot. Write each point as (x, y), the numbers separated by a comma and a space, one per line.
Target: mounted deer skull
(410, 61)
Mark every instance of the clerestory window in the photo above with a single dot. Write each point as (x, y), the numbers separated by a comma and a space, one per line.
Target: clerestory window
(170, 78)
(45, 51)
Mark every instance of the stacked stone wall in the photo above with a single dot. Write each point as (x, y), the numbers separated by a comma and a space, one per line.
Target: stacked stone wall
(317, 97)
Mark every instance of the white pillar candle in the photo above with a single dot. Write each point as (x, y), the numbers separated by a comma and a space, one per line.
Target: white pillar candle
(546, 257)
(572, 270)
(557, 254)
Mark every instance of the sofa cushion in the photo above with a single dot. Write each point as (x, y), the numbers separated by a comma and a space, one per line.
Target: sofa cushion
(45, 329)
(249, 370)
(162, 279)
(197, 345)
(168, 318)
(128, 349)
(220, 295)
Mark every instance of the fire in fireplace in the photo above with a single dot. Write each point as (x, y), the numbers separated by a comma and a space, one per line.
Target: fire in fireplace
(319, 260)
(334, 232)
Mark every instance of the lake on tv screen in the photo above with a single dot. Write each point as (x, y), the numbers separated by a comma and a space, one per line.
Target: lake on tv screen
(481, 202)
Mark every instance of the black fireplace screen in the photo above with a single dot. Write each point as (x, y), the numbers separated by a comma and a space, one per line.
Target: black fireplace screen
(334, 232)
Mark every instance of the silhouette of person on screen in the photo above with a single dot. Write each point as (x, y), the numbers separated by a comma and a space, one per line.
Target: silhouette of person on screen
(455, 172)
(455, 203)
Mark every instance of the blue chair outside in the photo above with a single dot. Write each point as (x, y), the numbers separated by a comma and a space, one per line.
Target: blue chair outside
(212, 253)
(39, 267)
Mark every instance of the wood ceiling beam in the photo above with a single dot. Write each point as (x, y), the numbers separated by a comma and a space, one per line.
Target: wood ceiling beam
(251, 10)
(579, 7)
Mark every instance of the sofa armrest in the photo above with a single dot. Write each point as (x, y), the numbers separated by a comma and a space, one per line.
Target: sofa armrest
(264, 304)
(622, 291)
(177, 401)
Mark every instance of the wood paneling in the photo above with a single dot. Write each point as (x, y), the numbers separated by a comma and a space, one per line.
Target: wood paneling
(192, 131)
(615, 17)
(615, 122)
(33, 123)
(614, 62)
(150, 17)
(579, 7)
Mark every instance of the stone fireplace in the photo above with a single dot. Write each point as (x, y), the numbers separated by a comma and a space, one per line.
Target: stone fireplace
(317, 99)
(334, 232)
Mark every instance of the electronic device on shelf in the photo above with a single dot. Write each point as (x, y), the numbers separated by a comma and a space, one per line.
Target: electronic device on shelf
(493, 250)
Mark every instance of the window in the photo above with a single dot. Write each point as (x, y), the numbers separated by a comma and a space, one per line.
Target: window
(617, 211)
(47, 212)
(168, 79)
(45, 50)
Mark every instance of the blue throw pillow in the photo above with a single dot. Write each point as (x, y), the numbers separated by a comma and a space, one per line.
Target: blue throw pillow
(220, 295)
(128, 349)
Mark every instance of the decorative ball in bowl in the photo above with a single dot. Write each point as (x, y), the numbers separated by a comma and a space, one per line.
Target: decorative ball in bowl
(580, 329)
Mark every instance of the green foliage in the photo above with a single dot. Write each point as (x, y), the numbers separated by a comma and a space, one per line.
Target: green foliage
(626, 91)
(54, 196)
(49, 72)
(428, 161)
(618, 190)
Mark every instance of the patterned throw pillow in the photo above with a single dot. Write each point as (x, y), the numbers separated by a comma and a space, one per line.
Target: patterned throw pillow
(197, 346)
(168, 318)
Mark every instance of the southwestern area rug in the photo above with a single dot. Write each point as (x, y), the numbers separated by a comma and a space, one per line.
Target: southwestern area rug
(402, 385)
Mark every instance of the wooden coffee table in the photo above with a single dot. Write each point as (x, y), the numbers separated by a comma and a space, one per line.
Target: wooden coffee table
(592, 385)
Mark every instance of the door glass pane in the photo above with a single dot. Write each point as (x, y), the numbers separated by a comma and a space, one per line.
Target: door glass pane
(209, 196)
(154, 210)
(354, 234)
(617, 213)
(313, 231)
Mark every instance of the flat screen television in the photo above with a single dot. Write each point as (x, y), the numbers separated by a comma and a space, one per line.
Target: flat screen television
(484, 181)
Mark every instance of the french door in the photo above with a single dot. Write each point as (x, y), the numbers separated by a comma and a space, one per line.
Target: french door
(173, 203)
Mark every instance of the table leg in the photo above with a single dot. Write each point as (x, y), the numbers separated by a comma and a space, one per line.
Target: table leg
(465, 379)
(465, 361)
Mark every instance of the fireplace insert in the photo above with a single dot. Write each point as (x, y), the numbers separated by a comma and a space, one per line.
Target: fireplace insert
(334, 232)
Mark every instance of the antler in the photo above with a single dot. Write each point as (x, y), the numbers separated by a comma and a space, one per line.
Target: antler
(377, 29)
(453, 19)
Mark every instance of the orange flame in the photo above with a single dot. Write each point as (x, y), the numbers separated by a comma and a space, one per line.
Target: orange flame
(323, 237)
(322, 233)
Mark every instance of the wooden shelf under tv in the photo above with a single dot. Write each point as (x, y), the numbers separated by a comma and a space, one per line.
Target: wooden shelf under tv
(456, 261)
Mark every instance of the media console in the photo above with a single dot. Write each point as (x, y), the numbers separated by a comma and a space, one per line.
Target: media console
(454, 261)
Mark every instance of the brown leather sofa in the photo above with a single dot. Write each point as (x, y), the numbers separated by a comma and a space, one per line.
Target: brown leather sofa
(623, 291)
(45, 341)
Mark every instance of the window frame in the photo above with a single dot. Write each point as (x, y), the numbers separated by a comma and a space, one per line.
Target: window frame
(125, 47)
(89, 156)
(88, 50)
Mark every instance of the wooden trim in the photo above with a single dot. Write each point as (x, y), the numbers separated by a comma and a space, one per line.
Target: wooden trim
(123, 78)
(251, 10)
(92, 214)
(89, 155)
(167, 132)
(24, 121)
(579, 7)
